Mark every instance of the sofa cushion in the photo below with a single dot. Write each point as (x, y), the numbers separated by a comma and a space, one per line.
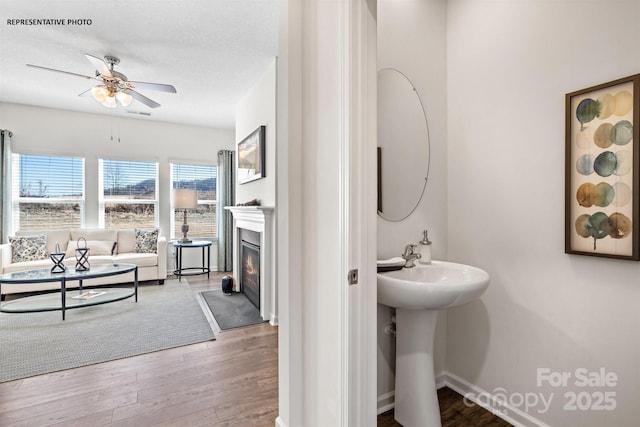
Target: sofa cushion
(126, 241)
(95, 234)
(139, 259)
(28, 265)
(60, 237)
(99, 259)
(96, 247)
(28, 248)
(146, 240)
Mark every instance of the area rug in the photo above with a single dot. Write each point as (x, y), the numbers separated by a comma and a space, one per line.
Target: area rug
(165, 316)
(231, 311)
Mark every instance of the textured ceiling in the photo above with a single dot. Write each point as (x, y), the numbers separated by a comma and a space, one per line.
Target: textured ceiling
(212, 51)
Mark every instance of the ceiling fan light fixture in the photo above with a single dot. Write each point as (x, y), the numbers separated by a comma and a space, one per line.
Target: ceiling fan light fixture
(124, 99)
(110, 101)
(115, 89)
(99, 93)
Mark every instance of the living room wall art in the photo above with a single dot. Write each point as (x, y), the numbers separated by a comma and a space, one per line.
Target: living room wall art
(251, 156)
(601, 170)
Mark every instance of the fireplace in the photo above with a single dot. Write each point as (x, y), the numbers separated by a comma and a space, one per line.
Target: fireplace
(258, 222)
(250, 265)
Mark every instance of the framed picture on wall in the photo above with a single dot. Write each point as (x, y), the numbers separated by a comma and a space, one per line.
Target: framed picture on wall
(251, 156)
(601, 170)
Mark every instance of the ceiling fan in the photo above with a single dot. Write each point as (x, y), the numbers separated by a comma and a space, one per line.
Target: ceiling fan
(114, 87)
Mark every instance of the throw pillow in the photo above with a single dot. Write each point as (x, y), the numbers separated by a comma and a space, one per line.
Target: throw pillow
(96, 247)
(28, 248)
(146, 241)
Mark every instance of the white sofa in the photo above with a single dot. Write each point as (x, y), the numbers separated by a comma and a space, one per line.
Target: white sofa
(151, 266)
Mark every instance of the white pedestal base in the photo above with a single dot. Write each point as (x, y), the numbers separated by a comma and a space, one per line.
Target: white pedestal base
(416, 398)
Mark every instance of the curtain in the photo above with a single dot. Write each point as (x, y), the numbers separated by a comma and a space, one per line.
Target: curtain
(5, 185)
(226, 197)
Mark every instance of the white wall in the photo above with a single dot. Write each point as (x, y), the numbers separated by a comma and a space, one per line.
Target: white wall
(412, 39)
(258, 108)
(50, 131)
(509, 66)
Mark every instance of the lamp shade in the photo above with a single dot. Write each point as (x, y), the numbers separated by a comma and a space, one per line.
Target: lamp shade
(99, 93)
(110, 101)
(124, 99)
(185, 198)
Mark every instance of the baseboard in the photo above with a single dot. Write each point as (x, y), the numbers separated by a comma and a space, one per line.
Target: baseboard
(274, 319)
(386, 402)
(488, 401)
(280, 423)
(492, 403)
(441, 380)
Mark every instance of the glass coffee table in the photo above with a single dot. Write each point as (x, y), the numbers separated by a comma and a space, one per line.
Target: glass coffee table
(72, 298)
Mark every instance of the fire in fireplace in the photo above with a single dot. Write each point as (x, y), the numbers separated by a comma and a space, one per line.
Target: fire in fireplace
(250, 266)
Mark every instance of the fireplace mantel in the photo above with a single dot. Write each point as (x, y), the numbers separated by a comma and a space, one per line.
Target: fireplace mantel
(259, 219)
(251, 213)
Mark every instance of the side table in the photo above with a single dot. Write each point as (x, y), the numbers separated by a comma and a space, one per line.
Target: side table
(180, 271)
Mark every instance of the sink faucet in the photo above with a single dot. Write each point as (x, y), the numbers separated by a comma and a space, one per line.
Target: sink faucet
(410, 256)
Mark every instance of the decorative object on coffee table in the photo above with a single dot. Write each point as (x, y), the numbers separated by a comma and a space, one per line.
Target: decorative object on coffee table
(82, 256)
(57, 257)
(185, 198)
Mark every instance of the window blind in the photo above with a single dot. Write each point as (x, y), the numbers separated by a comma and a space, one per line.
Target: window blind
(198, 177)
(47, 192)
(124, 179)
(129, 194)
(202, 178)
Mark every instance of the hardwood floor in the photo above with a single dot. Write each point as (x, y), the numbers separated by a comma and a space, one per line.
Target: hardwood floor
(232, 381)
(453, 413)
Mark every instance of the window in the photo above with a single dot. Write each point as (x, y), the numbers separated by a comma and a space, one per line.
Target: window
(47, 192)
(129, 194)
(202, 221)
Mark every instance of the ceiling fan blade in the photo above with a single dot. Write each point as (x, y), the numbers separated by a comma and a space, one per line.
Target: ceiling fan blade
(60, 71)
(86, 93)
(154, 86)
(140, 97)
(99, 65)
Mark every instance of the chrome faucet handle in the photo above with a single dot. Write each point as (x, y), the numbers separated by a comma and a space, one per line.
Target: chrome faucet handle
(409, 250)
(410, 256)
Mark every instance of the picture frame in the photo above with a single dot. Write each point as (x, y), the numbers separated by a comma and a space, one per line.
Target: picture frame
(251, 158)
(602, 163)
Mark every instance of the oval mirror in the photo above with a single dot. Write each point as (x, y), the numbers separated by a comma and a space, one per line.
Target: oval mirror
(403, 146)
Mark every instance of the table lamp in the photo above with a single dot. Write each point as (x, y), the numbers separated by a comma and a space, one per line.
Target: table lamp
(185, 198)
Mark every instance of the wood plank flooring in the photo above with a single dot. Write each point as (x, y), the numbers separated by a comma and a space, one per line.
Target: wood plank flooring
(453, 413)
(232, 381)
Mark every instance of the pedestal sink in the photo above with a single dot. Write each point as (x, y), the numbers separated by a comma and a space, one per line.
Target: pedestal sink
(417, 294)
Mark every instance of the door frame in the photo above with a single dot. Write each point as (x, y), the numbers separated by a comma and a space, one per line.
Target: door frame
(356, 335)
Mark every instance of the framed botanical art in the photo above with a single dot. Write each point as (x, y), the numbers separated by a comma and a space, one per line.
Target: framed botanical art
(251, 156)
(601, 170)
